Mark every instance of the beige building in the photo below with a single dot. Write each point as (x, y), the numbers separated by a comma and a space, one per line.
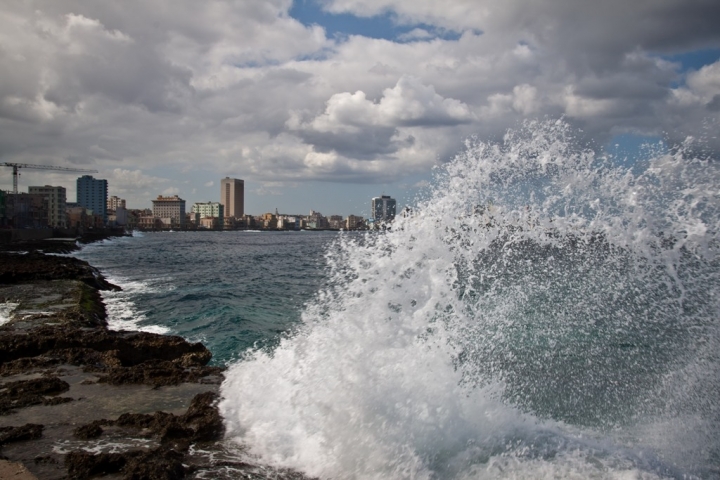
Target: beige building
(113, 203)
(147, 222)
(232, 196)
(170, 209)
(336, 221)
(56, 198)
(354, 222)
(210, 223)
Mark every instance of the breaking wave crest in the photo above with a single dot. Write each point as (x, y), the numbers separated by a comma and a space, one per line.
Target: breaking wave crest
(544, 312)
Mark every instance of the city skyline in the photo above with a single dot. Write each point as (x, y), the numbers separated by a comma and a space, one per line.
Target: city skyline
(95, 186)
(331, 102)
(48, 206)
(358, 205)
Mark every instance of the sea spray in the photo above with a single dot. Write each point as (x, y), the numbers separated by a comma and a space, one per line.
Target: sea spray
(543, 311)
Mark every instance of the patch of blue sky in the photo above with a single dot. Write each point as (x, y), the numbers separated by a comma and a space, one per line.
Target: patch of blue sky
(631, 149)
(695, 60)
(384, 26)
(691, 61)
(320, 55)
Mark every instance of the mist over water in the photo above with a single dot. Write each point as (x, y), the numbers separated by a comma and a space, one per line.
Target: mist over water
(544, 312)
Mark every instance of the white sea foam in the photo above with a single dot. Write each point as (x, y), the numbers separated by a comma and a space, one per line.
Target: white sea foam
(535, 317)
(64, 447)
(122, 309)
(6, 310)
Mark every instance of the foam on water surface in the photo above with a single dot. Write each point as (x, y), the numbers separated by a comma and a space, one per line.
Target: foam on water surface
(122, 309)
(6, 310)
(544, 312)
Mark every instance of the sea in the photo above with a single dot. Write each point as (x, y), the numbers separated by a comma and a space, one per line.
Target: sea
(541, 311)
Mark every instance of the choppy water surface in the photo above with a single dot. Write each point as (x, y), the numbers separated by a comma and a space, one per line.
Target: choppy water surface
(230, 290)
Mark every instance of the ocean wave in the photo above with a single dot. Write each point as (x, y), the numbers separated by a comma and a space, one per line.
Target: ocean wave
(544, 313)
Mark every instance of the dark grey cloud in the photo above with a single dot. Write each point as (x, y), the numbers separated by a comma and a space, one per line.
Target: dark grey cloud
(367, 143)
(714, 104)
(139, 88)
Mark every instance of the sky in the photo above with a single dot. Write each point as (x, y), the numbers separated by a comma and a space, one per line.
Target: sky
(323, 104)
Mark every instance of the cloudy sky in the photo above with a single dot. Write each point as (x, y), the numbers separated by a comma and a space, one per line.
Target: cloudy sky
(323, 104)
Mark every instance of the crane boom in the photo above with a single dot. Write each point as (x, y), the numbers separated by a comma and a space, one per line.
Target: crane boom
(16, 166)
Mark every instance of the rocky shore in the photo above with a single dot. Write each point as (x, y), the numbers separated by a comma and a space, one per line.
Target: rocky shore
(80, 401)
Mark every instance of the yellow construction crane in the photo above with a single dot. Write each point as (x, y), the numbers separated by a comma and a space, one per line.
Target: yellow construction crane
(16, 166)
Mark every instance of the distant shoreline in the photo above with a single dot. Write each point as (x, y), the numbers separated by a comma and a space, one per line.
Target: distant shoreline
(52, 241)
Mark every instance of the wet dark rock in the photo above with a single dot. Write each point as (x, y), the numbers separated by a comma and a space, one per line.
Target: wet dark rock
(157, 374)
(194, 359)
(36, 386)
(204, 416)
(125, 348)
(29, 431)
(35, 266)
(24, 393)
(74, 334)
(56, 400)
(81, 465)
(89, 431)
(200, 423)
(62, 241)
(125, 357)
(22, 365)
(138, 420)
(158, 464)
(174, 431)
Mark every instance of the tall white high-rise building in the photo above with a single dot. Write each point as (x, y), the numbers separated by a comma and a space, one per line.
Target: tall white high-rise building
(92, 194)
(232, 196)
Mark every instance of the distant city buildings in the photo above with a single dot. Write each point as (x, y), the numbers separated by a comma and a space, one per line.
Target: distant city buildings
(170, 210)
(289, 222)
(114, 202)
(93, 194)
(209, 209)
(208, 215)
(353, 222)
(117, 214)
(47, 207)
(316, 221)
(383, 208)
(25, 210)
(56, 204)
(336, 222)
(232, 197)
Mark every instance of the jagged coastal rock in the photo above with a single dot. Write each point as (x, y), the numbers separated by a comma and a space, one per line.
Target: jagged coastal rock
(68, 385)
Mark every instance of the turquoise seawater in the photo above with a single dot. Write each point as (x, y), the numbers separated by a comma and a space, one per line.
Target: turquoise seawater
(230, 290)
